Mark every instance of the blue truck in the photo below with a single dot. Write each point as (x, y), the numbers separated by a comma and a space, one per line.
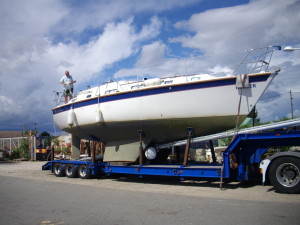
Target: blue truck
(245, 155)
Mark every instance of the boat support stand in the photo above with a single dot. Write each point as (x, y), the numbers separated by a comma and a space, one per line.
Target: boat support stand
(141, 150)
(190, 131)
(212, 150)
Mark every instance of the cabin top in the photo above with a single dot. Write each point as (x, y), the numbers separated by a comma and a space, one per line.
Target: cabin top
(113, 87)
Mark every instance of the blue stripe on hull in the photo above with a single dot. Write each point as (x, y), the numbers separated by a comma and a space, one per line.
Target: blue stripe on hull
(159, 90)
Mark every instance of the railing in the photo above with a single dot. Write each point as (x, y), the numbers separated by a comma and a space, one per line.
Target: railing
(256, 60)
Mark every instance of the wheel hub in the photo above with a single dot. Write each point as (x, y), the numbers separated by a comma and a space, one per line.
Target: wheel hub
(288, 175)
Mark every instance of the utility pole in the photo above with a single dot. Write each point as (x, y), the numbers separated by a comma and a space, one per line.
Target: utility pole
(35, 131)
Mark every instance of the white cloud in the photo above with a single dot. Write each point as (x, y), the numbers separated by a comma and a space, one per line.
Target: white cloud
(118, 41)
(221, 32)
(23, 25)
(92, 14)
(152, 54)
(5, 105)
(154, 60)
(221, 70)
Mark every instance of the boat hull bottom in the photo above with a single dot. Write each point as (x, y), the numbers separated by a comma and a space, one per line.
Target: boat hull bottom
(155, 131)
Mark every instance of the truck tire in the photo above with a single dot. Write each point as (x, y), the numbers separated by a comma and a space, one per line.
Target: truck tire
(58, 170)
(71, 171)
(285, 174)
(84, 172)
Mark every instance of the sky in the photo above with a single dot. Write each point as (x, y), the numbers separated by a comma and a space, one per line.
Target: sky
(101, 40)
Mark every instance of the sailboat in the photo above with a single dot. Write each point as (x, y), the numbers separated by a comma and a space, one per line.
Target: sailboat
(162, 108)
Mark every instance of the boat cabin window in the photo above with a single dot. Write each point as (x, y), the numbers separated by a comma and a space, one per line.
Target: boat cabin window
(111, 91)
(195, 78)
(88, 96)
(168, 82)
(134, 87)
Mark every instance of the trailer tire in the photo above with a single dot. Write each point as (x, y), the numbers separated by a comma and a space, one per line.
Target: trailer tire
(71, 171)
(84, 172)
(58, 170)
(284, 174)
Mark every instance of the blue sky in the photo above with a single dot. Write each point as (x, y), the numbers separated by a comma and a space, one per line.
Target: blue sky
(99, 40)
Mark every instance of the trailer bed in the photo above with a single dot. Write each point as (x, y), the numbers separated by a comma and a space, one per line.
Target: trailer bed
(247, 149)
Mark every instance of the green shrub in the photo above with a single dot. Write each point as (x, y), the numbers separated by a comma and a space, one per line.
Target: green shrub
(66, 150)
(23, 150)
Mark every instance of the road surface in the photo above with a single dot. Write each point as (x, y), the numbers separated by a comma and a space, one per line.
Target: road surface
(32, 196)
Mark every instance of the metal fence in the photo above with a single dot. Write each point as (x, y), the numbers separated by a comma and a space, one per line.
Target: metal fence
(10, 144)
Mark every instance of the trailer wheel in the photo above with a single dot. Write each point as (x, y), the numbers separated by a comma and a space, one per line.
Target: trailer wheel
(58, 170)
(285, 175)
(71, 171)
(84, 172)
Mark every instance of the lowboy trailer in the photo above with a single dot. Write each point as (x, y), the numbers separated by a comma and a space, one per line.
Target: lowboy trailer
(245, 152)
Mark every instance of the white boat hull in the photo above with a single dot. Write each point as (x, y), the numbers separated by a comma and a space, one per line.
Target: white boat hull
(163, 113)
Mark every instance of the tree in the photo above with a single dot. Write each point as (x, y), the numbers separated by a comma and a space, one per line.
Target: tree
(25, 130)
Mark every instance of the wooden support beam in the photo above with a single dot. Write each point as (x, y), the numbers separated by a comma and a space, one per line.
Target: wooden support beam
(52, 154)
(190, 131)
(141, 150)
(94, 153)
(212, 150)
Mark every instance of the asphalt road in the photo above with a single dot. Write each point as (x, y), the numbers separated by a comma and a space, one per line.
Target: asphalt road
(31, 196)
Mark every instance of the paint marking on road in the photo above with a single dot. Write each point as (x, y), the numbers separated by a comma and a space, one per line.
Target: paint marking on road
(50, 222)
